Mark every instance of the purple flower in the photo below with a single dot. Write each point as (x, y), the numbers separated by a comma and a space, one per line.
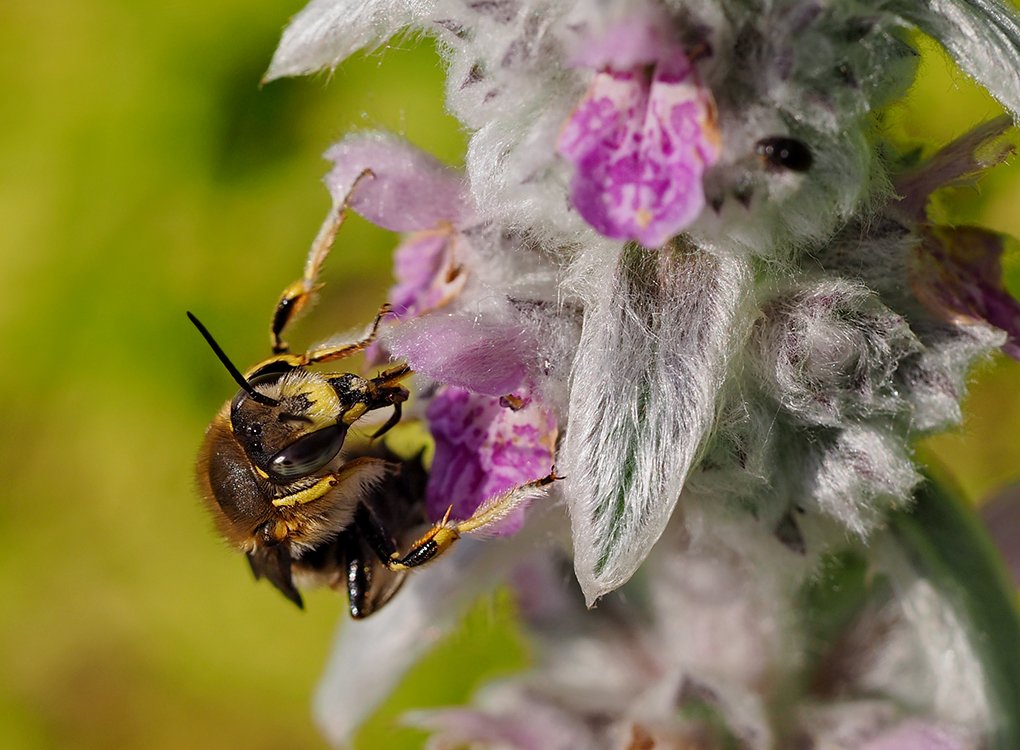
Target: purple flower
(401, 188)
(956, 272)
(729, 403)
(429, 270)
(699, 656)
(428, 267)
(395, 185)
(484, 355)
(640, 140)
(483, 448)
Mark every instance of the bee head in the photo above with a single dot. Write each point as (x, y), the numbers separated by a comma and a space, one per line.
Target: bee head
(287, 419)
(295, 435)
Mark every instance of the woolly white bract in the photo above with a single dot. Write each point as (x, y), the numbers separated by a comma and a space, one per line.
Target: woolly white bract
(795, 322)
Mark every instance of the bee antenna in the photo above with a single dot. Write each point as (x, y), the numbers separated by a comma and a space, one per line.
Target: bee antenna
(234, 372)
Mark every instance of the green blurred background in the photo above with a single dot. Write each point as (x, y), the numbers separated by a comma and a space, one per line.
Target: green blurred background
(143, 172)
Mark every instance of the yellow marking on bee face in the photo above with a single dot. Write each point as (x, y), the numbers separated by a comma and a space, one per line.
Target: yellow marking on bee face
(324, 406)
(314, 492)
(353, 414)
(260, 472)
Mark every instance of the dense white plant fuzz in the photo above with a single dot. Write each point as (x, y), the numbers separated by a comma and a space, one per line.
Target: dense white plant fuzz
(983, 36)
(683, 253)
(699, 650)
(325, 32)
(831, 350)
(660, 330)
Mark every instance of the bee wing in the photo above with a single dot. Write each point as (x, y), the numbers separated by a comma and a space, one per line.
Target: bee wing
(274, 564)
(384, 582)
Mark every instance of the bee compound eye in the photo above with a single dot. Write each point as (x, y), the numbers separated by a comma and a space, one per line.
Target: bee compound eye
(781, 152)
(309, 453)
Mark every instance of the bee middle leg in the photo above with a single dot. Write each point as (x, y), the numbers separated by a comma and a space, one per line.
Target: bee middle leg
(378, 539)
(331, 353)
(436, 541)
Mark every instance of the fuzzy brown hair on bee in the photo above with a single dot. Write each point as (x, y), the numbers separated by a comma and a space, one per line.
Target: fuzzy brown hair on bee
(282, 484)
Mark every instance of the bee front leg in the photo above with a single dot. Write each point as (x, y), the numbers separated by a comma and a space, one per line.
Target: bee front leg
(300, 293)
(392, 422)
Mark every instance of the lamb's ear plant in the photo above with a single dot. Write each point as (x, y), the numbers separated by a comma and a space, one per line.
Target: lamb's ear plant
(684, 266)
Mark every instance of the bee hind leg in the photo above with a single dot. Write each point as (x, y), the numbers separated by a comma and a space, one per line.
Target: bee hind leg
(428, 547)
(357, 576)
(442, 536)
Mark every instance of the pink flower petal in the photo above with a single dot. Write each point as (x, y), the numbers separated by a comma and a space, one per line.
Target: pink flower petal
(484, 449)
(427, 267)
(640, 146)
(518, 721)
(643, 37)
(406, 189)
(956, 272)
(917, 735)
(480, 355)
(429, 270)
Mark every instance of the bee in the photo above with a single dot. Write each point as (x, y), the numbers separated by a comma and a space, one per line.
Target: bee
(282, 487)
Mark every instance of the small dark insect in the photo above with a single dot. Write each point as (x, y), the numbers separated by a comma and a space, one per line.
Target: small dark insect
(275, 475)
(780, 152)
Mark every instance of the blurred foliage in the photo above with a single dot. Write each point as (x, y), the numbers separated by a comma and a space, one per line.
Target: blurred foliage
(143, 172)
